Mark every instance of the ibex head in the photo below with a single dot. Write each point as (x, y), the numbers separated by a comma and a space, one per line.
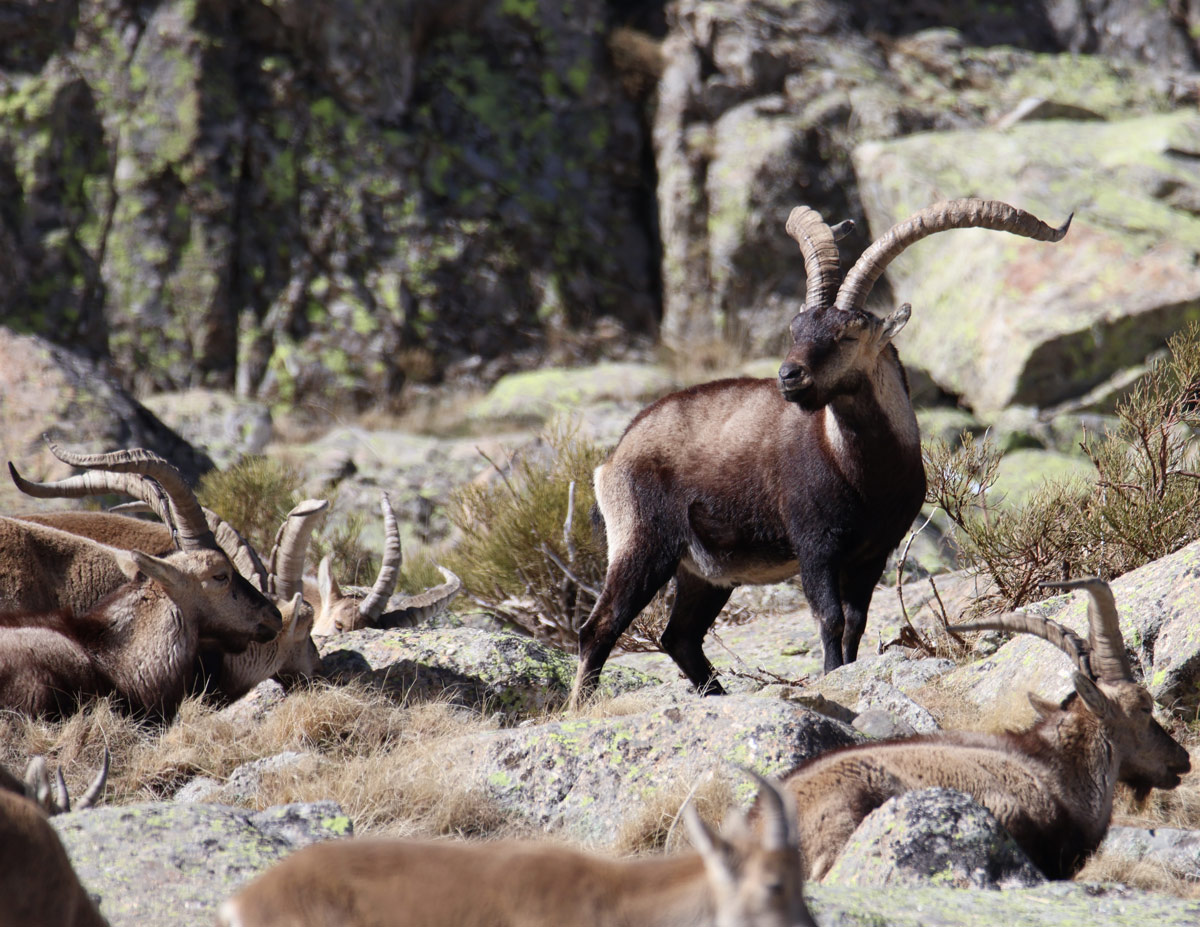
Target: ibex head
(1148, 756)
(835, 341)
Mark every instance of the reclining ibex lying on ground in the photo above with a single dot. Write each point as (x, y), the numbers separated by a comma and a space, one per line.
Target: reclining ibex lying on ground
(1051, 786)
(751, 481)
(734, 881)
(289, 657)
(37, 883)
(137, 639)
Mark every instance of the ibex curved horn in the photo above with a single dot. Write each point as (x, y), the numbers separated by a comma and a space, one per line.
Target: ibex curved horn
(1108, 656)
(148, 492)
(193, 530)
(409, 610)
(818, 245)
(372, 606)
(1063, 638)
(952, 214)
(291, 545)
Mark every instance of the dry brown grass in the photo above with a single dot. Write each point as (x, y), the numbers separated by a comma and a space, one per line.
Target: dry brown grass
(656, 825)
(1144, 874)
(378, 759)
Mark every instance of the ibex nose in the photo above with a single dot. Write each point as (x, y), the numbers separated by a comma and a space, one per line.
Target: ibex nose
(793, 377)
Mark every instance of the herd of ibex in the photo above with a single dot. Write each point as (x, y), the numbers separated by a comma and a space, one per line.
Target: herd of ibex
(817, 473)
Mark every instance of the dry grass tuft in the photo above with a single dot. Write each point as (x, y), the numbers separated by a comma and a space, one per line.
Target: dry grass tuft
(657, 825)
(1147, 875)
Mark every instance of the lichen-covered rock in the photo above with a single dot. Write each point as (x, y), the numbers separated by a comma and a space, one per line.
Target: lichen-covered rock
(1052, 904)
(883, 696)
(171, 864)
(588, 776)
(1002, 319)
(1176, 850)
(1158, 604)
(538, 395)
(496, 670)
(47, 390)
(225, 426)
(937, 836)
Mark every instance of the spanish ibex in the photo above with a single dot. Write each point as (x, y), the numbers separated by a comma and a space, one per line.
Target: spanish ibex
(1051, 786)
(378, 608)
(39, 887)
(753, 480)
(735, 881)
(137, 639)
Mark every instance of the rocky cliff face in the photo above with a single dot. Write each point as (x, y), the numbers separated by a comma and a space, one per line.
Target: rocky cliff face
(309, 198)
(327, 200)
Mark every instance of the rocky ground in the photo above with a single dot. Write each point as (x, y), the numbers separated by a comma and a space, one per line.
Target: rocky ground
(608, 779)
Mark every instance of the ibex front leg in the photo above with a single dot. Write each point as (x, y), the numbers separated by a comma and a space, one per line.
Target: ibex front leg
(858, 585)
(822, 589)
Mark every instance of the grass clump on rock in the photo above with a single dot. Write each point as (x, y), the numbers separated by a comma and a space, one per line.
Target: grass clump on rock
(1142, 504)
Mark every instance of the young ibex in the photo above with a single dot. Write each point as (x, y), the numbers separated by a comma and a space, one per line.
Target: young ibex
(136, 639)
(751, 481)
(39, 887)
(1051, 786)
(729, 882)
(378, 608)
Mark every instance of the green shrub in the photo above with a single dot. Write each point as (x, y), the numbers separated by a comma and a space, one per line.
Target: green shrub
(515, 557)
(1143, 504)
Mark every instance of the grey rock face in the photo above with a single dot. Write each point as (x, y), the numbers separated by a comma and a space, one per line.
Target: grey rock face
(880, 695)
(494, 669)
(589, 776)
(169, 865)
(1176, 850)
(45, 389)
(937, 836)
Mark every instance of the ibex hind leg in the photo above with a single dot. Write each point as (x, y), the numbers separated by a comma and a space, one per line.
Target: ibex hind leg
(630, 583)
(697, 604)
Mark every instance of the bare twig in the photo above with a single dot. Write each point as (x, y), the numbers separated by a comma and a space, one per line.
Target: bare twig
(557, 561)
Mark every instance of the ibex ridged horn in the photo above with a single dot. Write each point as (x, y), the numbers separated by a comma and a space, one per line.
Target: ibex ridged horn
(1063, 638)
(194, 533)
(952, 214)
(818, 246)
(372, 606)
(1108, 656)
(291, 545)
(147, 492)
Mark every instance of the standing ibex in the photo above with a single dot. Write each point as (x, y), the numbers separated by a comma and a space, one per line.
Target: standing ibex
(1051, 786)
(737, 881)
(751, 481)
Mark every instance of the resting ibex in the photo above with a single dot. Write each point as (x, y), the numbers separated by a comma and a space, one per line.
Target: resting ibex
(40, 887)
(729, 882)
(378, 608)
(751, 481)
(137, 639)
(1051, 786)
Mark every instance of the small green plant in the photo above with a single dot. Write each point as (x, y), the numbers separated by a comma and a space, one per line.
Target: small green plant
(528, 549)
(255, 496)
(1143, 504)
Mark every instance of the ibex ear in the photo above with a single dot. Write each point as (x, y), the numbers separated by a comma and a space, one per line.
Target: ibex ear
(1096, 701)
(893, 323)
(713, 850)
(1044, 707)
(161, 571)
(125, 562)
(326, 585)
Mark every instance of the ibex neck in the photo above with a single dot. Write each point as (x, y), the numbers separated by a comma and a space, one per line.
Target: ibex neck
(148, 651)
(1088, 767)
(667, 892)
